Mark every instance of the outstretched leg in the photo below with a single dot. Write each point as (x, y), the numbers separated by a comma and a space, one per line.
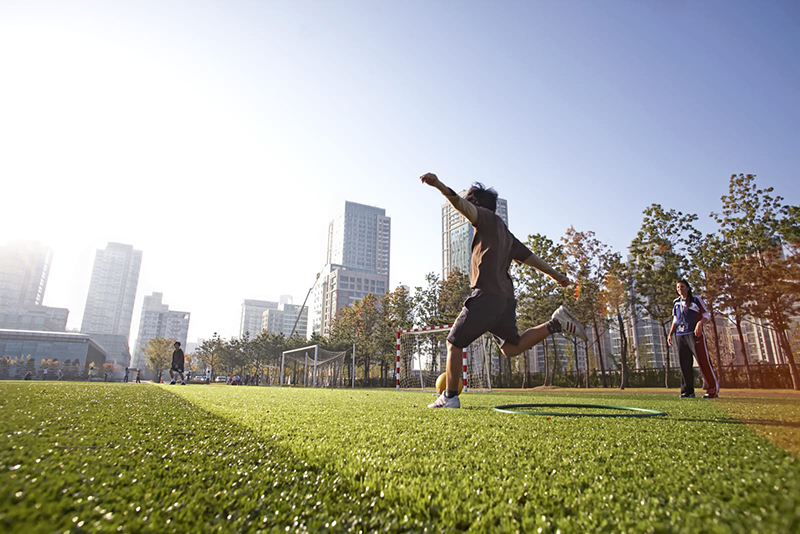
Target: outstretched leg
(528, 339)
(561, 321)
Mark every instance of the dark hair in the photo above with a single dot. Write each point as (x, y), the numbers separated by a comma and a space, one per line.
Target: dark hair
(685, 281)
(479, 195)
(178, 343)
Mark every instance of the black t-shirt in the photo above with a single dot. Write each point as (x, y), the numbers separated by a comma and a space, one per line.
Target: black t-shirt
(494, 247)
(177, 358)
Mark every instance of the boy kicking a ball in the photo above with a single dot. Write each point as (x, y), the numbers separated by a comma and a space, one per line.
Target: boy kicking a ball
(491, 307)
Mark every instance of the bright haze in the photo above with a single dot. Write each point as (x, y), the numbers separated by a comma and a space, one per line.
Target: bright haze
(220, 138)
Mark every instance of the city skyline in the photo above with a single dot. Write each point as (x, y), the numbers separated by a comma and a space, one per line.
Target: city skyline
(221, 140)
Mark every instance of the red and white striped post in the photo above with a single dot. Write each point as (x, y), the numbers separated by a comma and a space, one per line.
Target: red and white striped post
(397, 365)
(464, 368)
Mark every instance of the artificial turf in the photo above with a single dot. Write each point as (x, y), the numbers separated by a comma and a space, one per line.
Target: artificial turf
(145, 458)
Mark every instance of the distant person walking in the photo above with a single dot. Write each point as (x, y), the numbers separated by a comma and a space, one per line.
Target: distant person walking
(177, 364)
(689, 315)
(60, 374)
(91, 372)
(138, 376)
(44, 373)
(125, 379)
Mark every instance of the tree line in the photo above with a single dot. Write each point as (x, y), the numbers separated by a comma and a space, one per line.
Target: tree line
(747, 268)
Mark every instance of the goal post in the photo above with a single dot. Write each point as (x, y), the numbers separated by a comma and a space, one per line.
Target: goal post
(313, 366)
(422, 357)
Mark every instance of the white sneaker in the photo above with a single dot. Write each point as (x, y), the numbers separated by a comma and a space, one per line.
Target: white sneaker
(569, 323)
(172, 383)
(444, 402)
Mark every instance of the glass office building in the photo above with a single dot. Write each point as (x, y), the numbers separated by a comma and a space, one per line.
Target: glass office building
(61, 346)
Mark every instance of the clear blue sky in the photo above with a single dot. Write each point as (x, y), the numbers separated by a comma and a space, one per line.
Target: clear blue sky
(221, 137)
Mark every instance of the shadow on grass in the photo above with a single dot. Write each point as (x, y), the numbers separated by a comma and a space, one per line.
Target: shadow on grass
(215, 475)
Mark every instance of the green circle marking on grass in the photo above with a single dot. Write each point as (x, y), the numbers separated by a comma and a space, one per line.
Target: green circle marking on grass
(635, 412)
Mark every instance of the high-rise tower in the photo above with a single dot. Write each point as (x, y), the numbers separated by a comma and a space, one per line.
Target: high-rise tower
(112, 291)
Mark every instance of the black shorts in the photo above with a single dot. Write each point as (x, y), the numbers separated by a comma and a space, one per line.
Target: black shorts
(177, 367)
(485, 312)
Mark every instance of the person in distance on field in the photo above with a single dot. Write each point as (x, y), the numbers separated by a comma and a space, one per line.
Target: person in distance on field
(689, 315)
(177, 364)
(491, 307)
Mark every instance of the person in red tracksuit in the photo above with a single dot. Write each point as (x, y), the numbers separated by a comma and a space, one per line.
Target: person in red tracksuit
(690, 313)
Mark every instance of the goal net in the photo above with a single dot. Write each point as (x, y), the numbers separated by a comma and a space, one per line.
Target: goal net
(315, 367)
(422, 357)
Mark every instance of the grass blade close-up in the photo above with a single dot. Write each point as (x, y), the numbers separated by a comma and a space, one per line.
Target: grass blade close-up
(83, 457)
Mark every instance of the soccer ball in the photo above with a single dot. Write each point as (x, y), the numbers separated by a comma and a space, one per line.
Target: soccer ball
(441, 384)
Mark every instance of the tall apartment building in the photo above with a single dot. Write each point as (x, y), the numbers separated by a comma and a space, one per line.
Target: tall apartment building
(360, 239)
(252, 316)
(283, 319)
(112, 291)
(159, 321)
(457, 236)
(358, 256)
(339, 287)
(24, 269)
(109, 303)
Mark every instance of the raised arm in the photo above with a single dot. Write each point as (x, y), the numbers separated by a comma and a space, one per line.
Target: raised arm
(543, 267)
(465, 208)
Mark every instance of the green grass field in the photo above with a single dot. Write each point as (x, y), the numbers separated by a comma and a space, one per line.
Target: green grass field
(83, 457)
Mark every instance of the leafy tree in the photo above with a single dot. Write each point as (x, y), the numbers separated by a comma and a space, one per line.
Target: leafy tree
(454, 291)
(30, 366)
(260, 352)
(587, 261)
(158, 353)
(616, 298)
(239, 354)
(660, 257)
(357, 325)
(110, 368)
(708, 259)
(537, 294)
(761, 233)
(210, 352)
(732, 300)
(396, 313)
(5, 367)
(426, 302)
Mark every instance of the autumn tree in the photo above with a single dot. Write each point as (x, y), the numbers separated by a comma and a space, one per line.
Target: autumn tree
(761, 233)
(586, 260)
(357, 325)
(158, 354)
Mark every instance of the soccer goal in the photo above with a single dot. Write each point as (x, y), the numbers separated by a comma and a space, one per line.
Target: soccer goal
(422, 357)
(315, 367)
